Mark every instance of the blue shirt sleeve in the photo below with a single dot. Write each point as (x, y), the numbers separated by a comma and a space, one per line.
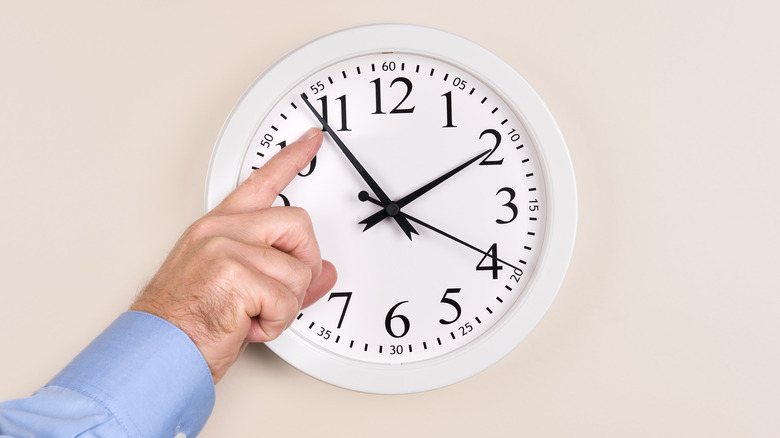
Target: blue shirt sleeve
(142, 377)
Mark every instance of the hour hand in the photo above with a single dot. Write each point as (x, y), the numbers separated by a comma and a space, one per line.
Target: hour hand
(380, 215)
(407, 228)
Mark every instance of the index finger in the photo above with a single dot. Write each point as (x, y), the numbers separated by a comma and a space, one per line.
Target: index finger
(265, 183)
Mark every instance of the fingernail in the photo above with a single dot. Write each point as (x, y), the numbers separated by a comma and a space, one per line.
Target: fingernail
(309, 134)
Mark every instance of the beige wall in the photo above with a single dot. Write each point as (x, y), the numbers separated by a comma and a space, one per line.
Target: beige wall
(667, 324)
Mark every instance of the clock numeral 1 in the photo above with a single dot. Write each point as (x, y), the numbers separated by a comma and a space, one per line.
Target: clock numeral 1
(448, 100)
(343, 101)
(493, 265)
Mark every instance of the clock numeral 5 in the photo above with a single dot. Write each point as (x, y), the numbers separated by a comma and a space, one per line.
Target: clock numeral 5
(452, 303)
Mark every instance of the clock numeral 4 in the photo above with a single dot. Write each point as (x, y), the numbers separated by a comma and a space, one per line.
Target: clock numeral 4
(492, 261)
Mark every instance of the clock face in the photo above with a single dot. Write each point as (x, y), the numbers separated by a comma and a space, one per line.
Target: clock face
(443, 193)
(410, 119)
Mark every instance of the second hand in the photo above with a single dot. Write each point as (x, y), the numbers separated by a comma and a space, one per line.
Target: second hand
(364, 196)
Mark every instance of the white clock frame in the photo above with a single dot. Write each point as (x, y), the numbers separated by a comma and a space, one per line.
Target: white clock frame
(560, 229)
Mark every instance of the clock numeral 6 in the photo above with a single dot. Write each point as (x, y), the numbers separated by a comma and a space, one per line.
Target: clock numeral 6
(389, 322)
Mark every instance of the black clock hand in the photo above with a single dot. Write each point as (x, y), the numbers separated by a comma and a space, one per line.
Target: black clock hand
(364, 196)
(384, 213)
(402, 222)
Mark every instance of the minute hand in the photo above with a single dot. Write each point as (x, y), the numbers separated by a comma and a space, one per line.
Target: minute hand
(382, 214)
(402, 222)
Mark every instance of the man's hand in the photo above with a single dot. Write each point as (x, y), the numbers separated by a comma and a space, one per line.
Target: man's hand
(242, 272)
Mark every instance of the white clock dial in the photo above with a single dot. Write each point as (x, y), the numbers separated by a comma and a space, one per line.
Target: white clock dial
(410, 119)
(443, 194)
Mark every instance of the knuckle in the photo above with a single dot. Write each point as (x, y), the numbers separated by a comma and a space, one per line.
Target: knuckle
(202, 229)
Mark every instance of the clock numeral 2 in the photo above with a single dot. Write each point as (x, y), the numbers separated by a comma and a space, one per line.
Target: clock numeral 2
(497, 136)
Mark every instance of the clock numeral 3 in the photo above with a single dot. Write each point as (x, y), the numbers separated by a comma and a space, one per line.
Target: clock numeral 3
(510, 205)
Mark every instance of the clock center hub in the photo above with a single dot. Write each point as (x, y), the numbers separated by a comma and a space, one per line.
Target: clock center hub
(392, 209)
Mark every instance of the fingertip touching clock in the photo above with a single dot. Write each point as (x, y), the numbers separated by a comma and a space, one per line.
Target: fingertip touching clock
(443, 193)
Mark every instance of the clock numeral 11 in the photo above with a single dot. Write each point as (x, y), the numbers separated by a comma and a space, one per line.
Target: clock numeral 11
(343, 106)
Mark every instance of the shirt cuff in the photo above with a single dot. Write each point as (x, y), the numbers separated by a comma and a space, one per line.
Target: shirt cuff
(148, 374)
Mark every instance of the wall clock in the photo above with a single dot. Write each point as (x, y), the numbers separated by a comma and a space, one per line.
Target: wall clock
(443, 194)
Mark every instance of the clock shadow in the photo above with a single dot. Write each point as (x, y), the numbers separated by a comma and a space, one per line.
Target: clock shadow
(261, 355)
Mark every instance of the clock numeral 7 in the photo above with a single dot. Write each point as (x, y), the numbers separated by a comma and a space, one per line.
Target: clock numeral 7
(348, 296)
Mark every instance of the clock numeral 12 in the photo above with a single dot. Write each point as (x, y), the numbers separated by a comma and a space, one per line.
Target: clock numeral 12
(397, 109)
